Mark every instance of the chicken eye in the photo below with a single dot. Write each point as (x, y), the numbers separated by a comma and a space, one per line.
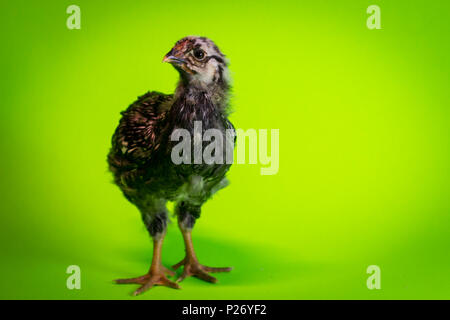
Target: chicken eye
(199, 54)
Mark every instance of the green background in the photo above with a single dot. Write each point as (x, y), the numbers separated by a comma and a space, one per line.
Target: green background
(364, 148)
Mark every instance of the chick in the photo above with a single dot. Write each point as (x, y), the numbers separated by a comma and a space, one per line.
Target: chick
(141, 157)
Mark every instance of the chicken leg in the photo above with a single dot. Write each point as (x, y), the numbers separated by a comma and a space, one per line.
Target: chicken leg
(190, 262)
(157, 273)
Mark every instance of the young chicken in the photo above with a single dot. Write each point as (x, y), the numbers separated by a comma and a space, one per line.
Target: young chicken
(140, 157)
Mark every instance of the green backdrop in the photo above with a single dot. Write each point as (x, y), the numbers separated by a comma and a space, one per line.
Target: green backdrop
(364, 148)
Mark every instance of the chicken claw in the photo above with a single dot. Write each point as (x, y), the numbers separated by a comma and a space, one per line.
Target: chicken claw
(193, 268)
(150, 279)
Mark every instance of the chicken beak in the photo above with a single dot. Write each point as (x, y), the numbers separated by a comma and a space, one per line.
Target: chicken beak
(173, 60)
(178, 63)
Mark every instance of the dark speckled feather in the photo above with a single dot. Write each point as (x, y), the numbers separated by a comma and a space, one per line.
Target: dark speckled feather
(137, 139)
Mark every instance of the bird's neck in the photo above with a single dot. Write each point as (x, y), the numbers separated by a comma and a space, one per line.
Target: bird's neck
(193, 103)
(194, 92)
